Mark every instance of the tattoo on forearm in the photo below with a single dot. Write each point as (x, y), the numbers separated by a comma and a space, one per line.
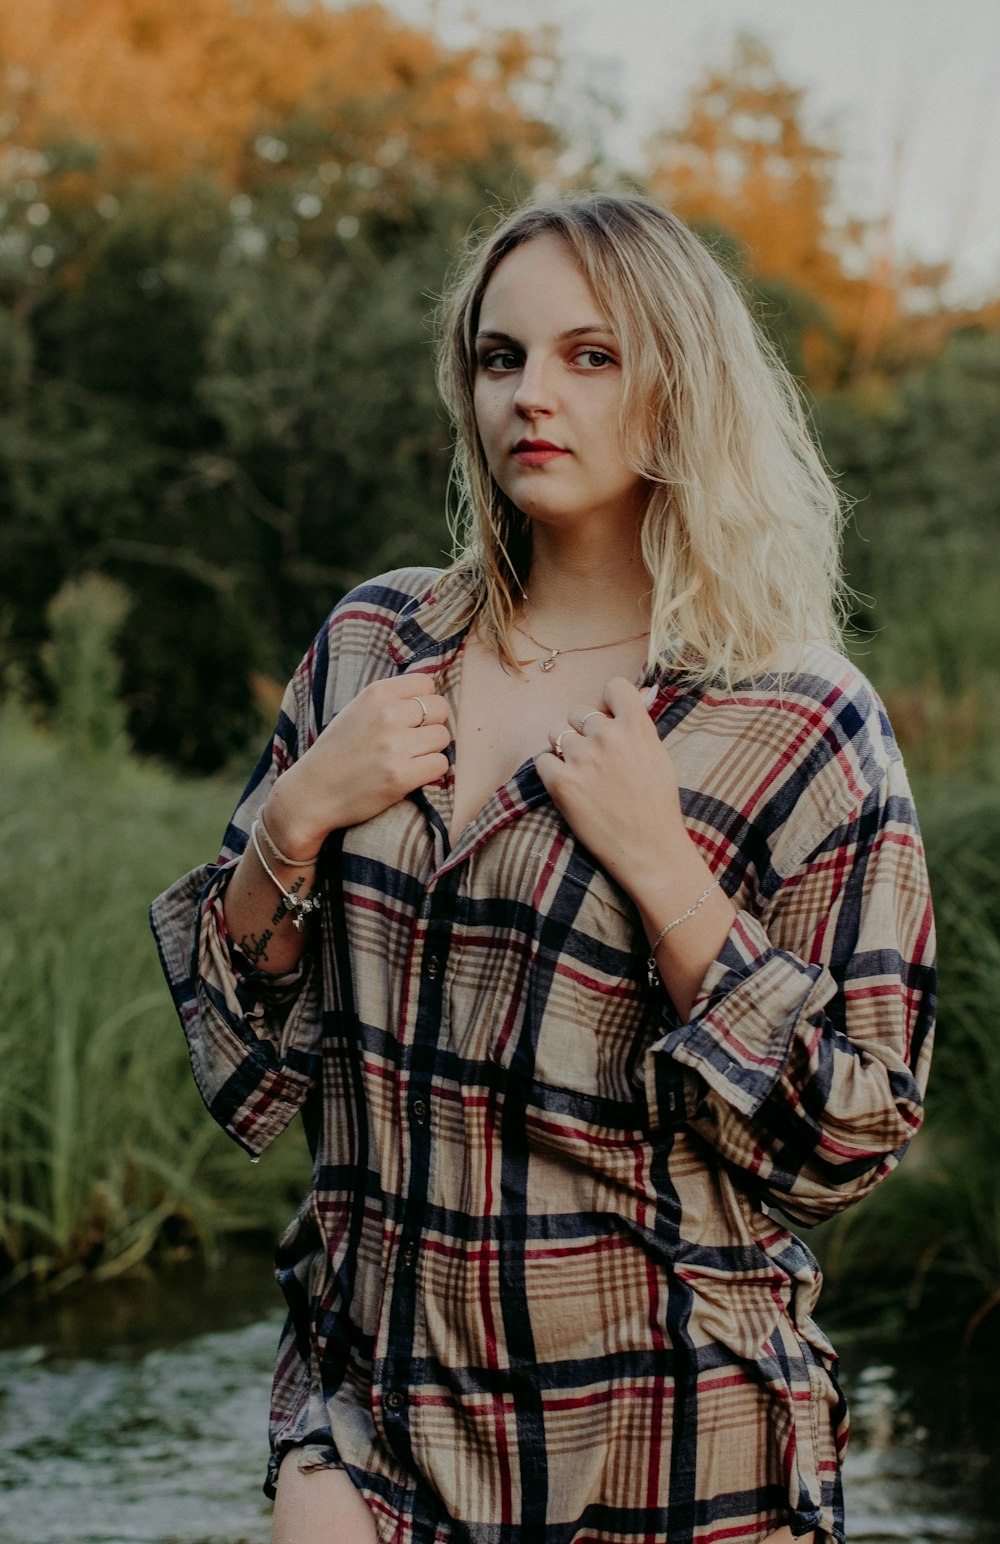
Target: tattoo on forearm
(254, 945)
(282, 909)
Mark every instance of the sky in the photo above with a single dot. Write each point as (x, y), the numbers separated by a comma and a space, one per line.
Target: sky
(909, 90)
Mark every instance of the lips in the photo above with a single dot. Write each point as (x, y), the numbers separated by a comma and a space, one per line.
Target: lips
(537, 452)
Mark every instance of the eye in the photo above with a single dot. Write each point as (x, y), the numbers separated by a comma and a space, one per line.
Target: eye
(499, 359)
(594, 358)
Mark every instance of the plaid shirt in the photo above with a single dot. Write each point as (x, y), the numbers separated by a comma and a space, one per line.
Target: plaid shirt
(537, 1291)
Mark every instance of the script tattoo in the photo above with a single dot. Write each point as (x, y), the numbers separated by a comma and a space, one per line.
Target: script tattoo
(282, 910)
(255, 947)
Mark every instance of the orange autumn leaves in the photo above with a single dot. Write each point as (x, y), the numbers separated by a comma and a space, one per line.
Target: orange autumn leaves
(257, 91)
(171, 90)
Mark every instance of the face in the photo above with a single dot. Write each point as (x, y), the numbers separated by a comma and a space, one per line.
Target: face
(548, 388)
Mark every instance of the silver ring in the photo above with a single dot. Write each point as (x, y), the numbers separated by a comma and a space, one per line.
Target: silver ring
(423, 713)
(557, 745)
(594, 713)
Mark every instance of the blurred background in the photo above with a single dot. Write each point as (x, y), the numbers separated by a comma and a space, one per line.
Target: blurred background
(223, 227)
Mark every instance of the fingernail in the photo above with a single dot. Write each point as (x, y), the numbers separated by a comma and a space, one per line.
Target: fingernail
(649, 695)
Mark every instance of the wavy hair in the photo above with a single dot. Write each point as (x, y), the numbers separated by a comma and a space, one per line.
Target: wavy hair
(741, 529)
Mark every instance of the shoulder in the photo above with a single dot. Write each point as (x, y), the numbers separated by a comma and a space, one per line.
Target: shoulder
(835, 714)
(807, 748)
(356, 635)
(379, 603)
(358, 642)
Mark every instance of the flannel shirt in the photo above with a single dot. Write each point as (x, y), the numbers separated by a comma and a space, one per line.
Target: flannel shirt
(537, 1292)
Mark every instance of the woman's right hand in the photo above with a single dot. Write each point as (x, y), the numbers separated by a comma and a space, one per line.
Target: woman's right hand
(376, 751)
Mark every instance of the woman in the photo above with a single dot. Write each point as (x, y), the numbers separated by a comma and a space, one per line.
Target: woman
(623, 940)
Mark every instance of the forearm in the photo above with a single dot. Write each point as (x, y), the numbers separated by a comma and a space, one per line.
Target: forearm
(662, 893)
(269, 930)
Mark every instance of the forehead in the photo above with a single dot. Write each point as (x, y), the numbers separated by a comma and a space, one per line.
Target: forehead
(540, 282)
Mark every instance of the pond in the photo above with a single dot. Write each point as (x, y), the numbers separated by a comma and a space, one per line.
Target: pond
(120, 1423)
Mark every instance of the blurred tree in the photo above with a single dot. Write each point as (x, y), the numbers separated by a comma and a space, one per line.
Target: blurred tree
(922, 462)
(219, 228)
(743, 160)
(205, 88)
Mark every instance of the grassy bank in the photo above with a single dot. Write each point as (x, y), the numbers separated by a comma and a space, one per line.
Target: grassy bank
(926, 1246)
(105, 1149)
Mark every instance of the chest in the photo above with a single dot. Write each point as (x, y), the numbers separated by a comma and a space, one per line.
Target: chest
(504, 717)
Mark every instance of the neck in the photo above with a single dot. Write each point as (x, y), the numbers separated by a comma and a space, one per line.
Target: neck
(583, 592)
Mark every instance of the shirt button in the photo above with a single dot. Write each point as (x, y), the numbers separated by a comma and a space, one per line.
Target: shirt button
(433, 965)
(394, 1402)
(409, 1254)
(418, 1109)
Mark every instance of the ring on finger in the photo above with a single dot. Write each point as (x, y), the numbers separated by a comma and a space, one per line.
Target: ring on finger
(556, 744)
(594, 713)
(423, 713)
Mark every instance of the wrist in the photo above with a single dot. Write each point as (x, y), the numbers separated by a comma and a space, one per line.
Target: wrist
(299, 839)
(665, 872)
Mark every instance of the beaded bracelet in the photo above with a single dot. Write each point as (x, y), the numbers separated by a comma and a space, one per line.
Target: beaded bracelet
(651, 966)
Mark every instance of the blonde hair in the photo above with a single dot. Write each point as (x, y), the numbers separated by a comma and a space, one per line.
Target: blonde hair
(741, 529)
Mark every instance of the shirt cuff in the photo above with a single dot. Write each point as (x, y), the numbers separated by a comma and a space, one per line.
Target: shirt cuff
(739, 1036)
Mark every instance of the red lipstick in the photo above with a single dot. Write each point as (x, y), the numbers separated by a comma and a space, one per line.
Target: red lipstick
(537, 452)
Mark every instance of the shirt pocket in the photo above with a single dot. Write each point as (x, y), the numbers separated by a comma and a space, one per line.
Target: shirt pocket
(586, 1013)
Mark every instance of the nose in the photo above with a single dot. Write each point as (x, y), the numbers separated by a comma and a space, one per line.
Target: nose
(533, 396)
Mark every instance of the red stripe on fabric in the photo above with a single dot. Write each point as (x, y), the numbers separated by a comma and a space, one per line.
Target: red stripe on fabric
(739, 1046)
(461, 1249)
(582, 1134)
(739, 1531)
(622, 989)
(618, 1394)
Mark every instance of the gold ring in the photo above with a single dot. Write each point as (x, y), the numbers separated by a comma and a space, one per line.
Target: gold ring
(423, 713)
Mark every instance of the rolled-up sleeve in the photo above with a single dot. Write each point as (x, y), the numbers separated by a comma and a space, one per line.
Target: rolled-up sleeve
(804, 1059)
(253, 1037)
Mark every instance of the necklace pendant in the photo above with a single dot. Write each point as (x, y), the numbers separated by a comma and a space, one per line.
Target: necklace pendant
(550, 663)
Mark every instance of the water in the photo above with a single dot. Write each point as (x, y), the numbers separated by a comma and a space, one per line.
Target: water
(134, 1428)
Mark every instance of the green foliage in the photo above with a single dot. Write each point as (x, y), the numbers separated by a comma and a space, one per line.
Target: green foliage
(922, 462)
(928, 1241)
(105, 1149)
(236, 423)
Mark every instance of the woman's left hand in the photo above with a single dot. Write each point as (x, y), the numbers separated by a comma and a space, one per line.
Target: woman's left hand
(615, 785)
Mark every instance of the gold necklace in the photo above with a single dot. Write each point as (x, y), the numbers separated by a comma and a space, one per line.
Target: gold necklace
(549, 661)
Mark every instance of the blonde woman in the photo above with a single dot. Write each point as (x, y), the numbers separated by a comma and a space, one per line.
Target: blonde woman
(578, 904)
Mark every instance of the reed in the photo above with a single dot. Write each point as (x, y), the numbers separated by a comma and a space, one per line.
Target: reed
(927, 1243)
(105, 1150)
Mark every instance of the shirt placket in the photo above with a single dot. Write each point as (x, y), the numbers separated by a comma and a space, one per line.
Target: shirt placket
(426, 1014)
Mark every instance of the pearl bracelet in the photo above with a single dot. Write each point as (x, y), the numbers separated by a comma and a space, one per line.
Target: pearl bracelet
(651, 966)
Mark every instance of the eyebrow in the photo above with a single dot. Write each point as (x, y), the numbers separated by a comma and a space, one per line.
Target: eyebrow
(571, 332)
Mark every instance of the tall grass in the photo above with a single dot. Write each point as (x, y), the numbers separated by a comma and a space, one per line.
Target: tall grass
(927, 1244)
(105, 1150)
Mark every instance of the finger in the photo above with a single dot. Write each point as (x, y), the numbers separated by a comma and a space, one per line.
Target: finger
(622, 699)
(559, 738)
(429, 739)
(416, 683)
(432, 768)
(424, 708)
(548, 766)
(586, 719)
